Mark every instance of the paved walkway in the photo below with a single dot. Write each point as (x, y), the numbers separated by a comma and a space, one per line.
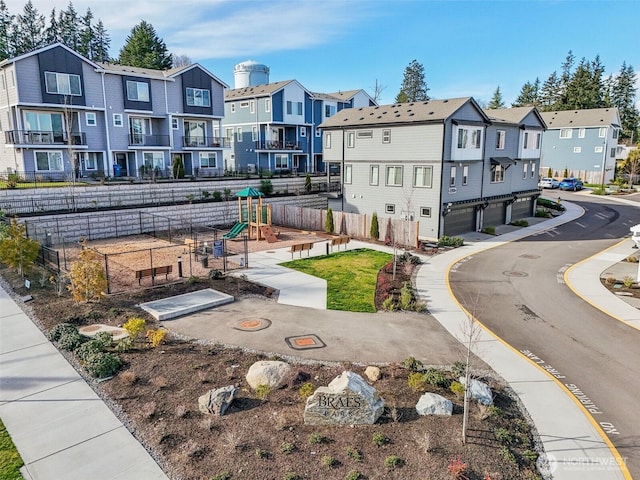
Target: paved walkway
(71, 434)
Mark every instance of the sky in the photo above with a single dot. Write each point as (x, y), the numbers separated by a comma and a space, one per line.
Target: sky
(467, 48)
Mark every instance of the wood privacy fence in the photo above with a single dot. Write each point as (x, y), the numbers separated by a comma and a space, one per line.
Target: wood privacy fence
(356, 225)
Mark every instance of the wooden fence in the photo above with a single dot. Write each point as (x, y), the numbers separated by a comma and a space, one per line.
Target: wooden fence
(356, 225)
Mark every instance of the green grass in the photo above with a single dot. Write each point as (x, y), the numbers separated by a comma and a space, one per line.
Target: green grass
(351, 277)
(10, 461)
(21, 185)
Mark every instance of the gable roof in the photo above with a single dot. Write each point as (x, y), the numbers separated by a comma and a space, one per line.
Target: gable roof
(325, 96)
(134, 71)
(594, 117)
(514, 115)
(264, 90)
(349, 94)
(412, 112)
(44, 49)
(176, 71)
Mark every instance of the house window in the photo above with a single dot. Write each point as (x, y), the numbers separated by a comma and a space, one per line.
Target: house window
(365, 134)
(394, 176)
(233, 108)
(525, 170)
(329, 110)
(476, 138)
(207, 159)
(154, 160)
(327, 140)
(289, 107)
(51, 161)
(62, 83)
(91, 161)
(462, 137)
(303, 131)
(137, 91)
(465, 175)
(299, 104)
(425, 211)
(533, 169)
(194, 133)
(615, 133)
(599, 149)
(254, 133)
(348, 169)
(252, 106)
(577, 149)
(239, 134)
(118, 120)
(452, 177)
(244, 104)
(566, 132)
(3, 82)
(536, 143)
(613, 152)
(389, 208)
(386, 136)
(229, 133)
(526, 140)
(197, 97)
(351, 139)
(374, 175)
(174, 123)
(91, 119)
(282, 161)
(423, 176)
(497, 174)
(581, 132)
(602, 132)
(501, 135)
(267, 105)
(294, 108)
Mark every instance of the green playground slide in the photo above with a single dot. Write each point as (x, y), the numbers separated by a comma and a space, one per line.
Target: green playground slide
(235, 230)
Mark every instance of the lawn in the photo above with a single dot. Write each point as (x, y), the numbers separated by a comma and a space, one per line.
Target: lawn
(23, 185)
(10, 461)
(351, 277)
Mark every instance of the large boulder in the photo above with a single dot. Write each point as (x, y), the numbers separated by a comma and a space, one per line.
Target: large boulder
(479, 391)
(217, 401)
(269, 373)
(347, 400)
(434, 404)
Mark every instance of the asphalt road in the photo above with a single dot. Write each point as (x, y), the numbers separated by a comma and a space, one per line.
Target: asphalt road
(524, 300)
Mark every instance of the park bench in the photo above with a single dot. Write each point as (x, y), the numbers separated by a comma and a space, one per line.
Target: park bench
(154, 272)
(341, 240)
(301, 247)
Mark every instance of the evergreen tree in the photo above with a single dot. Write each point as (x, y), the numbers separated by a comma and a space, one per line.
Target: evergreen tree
(86, 35)
(18, 251)
(100, 43)
(6, 27)
(551, 93)
(414, 87)
(585, 88)
(29, 30)
(623, 96)
(144, 49)
(328, 221)
(374, 231)
(52, 33)
(496, 101)
(69, 27)
(529, 95)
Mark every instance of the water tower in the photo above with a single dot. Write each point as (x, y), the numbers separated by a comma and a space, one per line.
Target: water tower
(250, 74)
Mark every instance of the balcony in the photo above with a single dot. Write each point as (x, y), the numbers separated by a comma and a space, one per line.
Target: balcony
(141, 140)
(277, 145)
(42, 137)
(190, 141)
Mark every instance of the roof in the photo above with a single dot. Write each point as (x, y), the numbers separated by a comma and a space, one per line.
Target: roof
(515, 115)
(347, 94)
(325, 96)
(128, 70)
(412, 112)
(594, 117)
(263, 90)
(44, 49)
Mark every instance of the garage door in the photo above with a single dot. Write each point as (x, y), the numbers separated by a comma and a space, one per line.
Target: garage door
(495, 214)
(523, 207)
(460, 220)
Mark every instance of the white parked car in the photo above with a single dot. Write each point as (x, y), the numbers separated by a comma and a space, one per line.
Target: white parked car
(547, 182)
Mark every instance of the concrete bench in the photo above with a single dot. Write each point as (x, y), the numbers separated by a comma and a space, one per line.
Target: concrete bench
(301, 247)
(154, 272)
(341, 240)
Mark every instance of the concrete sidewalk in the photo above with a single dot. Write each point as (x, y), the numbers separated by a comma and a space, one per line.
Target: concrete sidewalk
(61, 428)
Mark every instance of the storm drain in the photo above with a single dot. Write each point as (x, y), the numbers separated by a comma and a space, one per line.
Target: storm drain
(252, 324)
(305, 342)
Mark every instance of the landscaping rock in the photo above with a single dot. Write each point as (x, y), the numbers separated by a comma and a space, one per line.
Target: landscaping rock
(479, 391)
(434, 404)
(347, 400)
(372, 373)
(269, 373)
(217, 401)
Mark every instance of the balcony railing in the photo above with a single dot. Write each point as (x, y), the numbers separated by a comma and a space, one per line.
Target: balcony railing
(190, 141)
(140, 140)
(44, 137)
(277, 145)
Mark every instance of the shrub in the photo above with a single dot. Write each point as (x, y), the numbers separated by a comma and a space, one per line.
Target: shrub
(520, 223)
(503, 435)
(156, 337)
(57, 331)
(88, 349)
(390, 305)
(354, 454)
(105, 338)
(435, 377)
(374, 231)
(610, 281)
(134, 326)
(217, 196)
(287, 448)
(261, 453)
(530, 455)
(543, 213)
(316, 439)
(628, 282)
(266, 187)
(292, 476)
(632, 259)
(494, 412)
(446, 241)
(457, 468)
(306, 390)
(489, 230)
(507, 455)
(353, 475)
(379, 439)
(215, 274)
(328, 461)
(406, 296)
(70, 340)
(459, 369)
(102, 364)
(392, 461)
(205, 194)
(411, 363)
(416, 381)
(222, 476)
(263, 391)
(328, 222)
(457, 388)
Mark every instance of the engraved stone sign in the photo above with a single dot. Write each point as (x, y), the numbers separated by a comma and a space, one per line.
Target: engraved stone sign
(347, 400)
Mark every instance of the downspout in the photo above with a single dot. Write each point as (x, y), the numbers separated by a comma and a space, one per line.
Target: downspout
(484, 166)
(106, 128)
(440, 209)
(15, 117)
(342, 173)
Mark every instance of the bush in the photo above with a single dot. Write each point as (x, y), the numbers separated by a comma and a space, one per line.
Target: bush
(628, 282)
(520, 223)
(353, 475)
(503, 435)
(70, 340)
(389, 304)
(407, 298)
(105, 338)
(457, 388)
(489, 230)
(354, 454)
(328, 222)
(445, 241)
(316, 439)
(134, 326)
(435, 377)
(217, 196)
(287, 448)
(379, 439)
(413, 364)
(392, 461)
(292, 476)
(266, 187)
(103, 365)
(374, 232)
(306, 390)
(459, 369)
(530, 455)
(61, 328)
(507, 455)
(543, 213)
(263, 391)
(610, 281)
(88, 349)
(632, 259)
(328, 461)
(156, 337)
(457, 468)
(222, 476)
(416, 381)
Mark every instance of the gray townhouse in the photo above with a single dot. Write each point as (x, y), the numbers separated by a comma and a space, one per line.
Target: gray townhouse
(431, 162)
(59, 110)
(582, 142)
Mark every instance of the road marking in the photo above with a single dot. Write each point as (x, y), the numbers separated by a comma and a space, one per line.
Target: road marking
(560, 274)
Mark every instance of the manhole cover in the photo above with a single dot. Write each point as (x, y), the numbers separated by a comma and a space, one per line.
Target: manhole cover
(512, 273)
(251, 324)
(305, 342)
